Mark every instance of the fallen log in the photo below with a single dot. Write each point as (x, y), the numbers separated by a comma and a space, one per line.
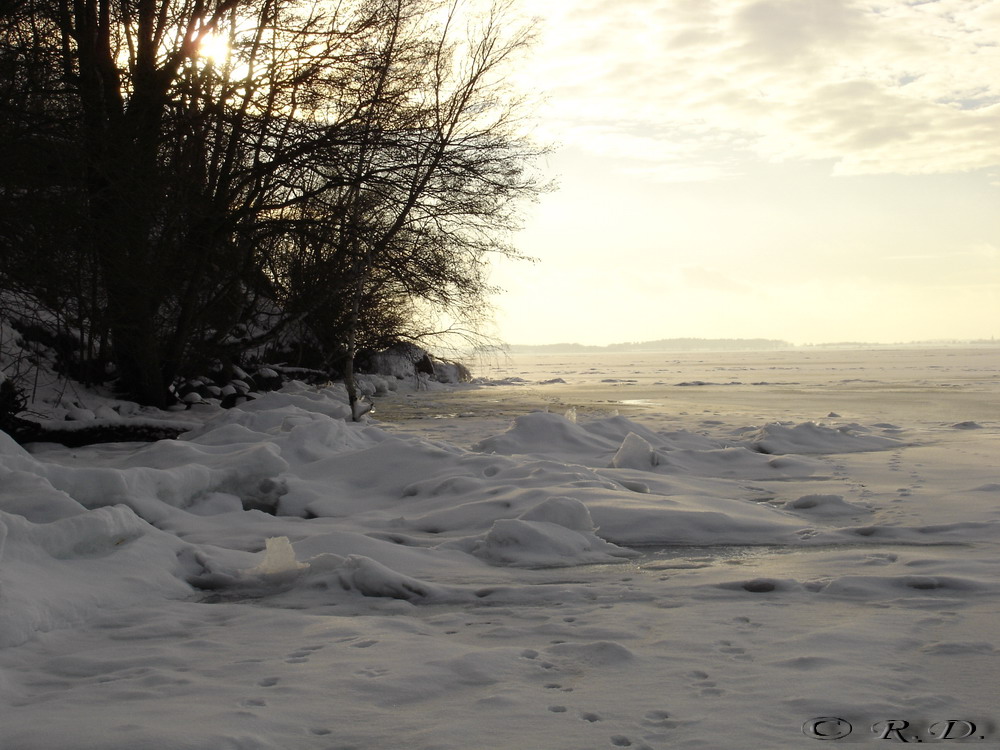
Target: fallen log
(78, 434)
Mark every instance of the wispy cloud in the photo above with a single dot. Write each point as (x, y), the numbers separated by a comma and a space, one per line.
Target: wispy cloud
(691, 88)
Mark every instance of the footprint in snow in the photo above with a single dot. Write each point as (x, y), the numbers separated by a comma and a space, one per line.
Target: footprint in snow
(659, 719)
(735, 652)
(703, 684)
(302, 655)
(268, 682)
(620, 740)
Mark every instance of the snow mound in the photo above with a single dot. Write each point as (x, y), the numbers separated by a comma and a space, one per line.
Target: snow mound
(827, 505)
(556, 532)
(564, 511)
(813, 438)
(58, 574)
(27, 494)
(331, 400)
(541, 544)
(546, 434)
(284, 497)
(968, 425)
(619, 443)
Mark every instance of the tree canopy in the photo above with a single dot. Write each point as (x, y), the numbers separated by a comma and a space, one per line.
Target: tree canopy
(203, 180)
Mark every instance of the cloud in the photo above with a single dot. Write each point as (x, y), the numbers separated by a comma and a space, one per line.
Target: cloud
(777, 33)
(694, 87)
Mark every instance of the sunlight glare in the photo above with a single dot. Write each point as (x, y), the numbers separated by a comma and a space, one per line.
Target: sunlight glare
(214, 47)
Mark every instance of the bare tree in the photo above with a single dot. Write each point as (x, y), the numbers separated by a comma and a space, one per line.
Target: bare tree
(343, 162)
(438, 166)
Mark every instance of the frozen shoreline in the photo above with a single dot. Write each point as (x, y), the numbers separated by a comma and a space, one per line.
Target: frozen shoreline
(932, 387)
(430, 595)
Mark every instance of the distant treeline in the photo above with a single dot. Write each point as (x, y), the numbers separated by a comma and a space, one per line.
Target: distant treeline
(731, 345)
(660, 345)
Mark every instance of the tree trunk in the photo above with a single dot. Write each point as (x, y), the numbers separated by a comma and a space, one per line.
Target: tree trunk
(123, 184)
(136, 349)
(352, 349)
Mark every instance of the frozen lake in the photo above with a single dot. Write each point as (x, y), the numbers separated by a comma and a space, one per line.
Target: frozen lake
(917, 385)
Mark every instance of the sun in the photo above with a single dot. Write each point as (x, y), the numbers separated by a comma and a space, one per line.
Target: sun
(214, 47)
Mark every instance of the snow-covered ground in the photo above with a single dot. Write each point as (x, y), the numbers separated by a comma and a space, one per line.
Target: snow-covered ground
(752, 542)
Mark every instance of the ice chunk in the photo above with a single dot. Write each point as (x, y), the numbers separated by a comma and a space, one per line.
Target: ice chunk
(635, 453)
(371, 578)
(279, 558)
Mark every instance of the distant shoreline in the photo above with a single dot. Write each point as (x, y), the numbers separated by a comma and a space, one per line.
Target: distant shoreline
(732, 345)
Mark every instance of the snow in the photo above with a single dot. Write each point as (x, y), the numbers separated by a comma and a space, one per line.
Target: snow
(711, 567)
(810, 437)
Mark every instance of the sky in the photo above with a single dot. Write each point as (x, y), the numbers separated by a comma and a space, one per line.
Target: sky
(806, 170)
